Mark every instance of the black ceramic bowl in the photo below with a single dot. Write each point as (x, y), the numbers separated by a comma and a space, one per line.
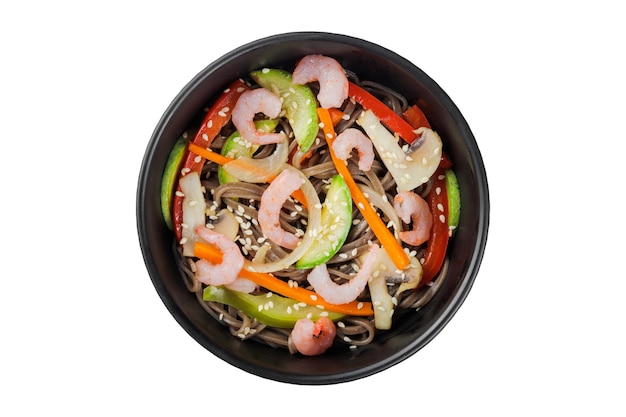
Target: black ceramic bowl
(411, 331)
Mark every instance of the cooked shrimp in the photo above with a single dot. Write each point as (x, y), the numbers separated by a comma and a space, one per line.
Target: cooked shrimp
(232, 261)
(272, 201)
(313, 338)
(331, 76)
(354, 139)
(410, 207)
(348, 292)
(248, 105)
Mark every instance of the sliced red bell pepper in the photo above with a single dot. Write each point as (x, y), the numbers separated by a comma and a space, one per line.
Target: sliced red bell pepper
(416, 117)
(387, 116)
(437, 244)
(215, 119)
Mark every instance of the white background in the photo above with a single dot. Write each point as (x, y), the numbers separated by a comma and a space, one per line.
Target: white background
(82, 86)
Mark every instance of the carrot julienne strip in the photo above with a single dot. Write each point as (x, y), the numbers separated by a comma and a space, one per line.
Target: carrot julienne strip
(223, 160)
(384, 235)
(271, 283)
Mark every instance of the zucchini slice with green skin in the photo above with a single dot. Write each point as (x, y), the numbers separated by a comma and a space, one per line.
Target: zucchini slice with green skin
(271, 309)
(298, 102)
(454, 199)
(168, 181)
(336, 223)
(236, 146)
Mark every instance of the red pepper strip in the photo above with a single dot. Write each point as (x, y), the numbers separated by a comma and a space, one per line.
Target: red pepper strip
(387, 116)
(216, 118)
(437, 244)
(416, 117)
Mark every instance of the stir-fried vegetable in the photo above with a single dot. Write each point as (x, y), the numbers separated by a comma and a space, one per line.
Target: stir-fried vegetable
(437, 244)
(216, 118)
(271, 309)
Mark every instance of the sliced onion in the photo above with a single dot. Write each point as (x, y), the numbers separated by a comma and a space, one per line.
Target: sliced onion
(314, 223)
(409, 170)
(259, 170)
(193, 210)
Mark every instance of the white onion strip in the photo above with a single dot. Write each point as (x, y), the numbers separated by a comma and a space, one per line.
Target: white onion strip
(314, 223)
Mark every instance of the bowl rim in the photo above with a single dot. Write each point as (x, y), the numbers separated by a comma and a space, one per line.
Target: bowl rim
(465, 284)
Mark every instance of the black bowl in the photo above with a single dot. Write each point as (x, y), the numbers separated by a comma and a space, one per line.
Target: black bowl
(411, 332)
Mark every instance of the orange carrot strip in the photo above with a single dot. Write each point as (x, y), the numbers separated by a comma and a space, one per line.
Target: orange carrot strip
(384, 235)
(271, 283)
(223, 160)
(209, 154)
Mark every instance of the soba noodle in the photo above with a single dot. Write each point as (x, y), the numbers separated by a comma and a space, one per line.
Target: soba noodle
(243, 199)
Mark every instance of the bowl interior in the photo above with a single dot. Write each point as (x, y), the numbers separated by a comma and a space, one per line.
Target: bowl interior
(412, 330)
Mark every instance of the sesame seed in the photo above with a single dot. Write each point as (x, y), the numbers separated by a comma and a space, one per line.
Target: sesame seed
(442, 218)
(209, 124)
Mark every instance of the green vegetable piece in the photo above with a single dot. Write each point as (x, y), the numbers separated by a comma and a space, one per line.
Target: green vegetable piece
(336, 223)
(298, 102)
(236, 146)
(168, 181)
(454, 199)
(271, 309)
